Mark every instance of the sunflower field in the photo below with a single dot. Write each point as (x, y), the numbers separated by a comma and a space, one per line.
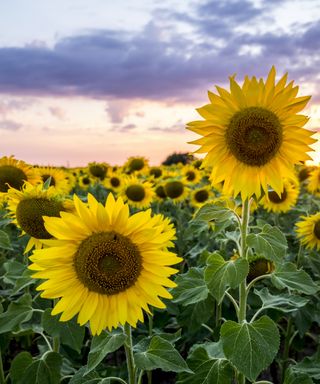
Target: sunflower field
(199, 273)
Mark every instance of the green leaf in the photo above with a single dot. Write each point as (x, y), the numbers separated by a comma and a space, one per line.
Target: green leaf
(284, 302)
(102, 345)
(43, 371)
(159, 353)
(81, 377)
(17, 313)
(18, 366)
(209, 366)
(211, 212)
(5, 242)
(250, 347)
(288, 276)
(292, 377)
(70, 332)
(196, 314)
(270, 243)
(191, 287)
(309, 366)
(221, 274)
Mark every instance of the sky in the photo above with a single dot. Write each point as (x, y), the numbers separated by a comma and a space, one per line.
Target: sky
(102, 80)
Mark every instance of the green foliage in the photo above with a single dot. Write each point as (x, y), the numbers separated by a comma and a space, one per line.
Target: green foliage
(17, 313)
(221, 274)
(46, 370)
(269, 243)
(209, 366)
(157, 352)
(250, 347)
(5, 241)
(102, 345)
(211, 212)
(288, 276)
(191, 287)
(282, 302)
(70, 333)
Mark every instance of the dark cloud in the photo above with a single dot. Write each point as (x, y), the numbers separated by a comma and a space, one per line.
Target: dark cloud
(179, 126)
(159, 63)
(127, 128)
(10, 125)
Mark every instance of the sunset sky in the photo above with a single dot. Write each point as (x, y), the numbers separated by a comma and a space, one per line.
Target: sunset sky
(103, 80)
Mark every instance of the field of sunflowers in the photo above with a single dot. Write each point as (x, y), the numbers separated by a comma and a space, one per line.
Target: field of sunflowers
(202, 271)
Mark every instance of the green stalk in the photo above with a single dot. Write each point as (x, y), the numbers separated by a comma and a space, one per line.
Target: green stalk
(286, 348)
(2, 378)
(242, 314)
(129, 355)
(150, 318)
(56, 339)
(243, 254)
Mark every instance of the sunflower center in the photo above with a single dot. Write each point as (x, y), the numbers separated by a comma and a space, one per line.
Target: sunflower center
(254, 135)
(304, 174)
(98, 171)
(174, 189)
(29, 215)
(135, 192)
(11, 175)
(190, 175)
(115, 182)
(160, 192)
(136, 165)
(108, 263)
(275, 198)
(86, 181)
(201, 196)
(46, 177)
(316, 230)
(156, 172)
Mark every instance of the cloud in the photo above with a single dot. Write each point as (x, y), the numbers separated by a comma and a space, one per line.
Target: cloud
(58, 112)
(159, 62)
(179, 126)
(10, 125)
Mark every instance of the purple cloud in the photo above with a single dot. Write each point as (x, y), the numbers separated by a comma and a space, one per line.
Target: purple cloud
(10, 125)
(159, 63)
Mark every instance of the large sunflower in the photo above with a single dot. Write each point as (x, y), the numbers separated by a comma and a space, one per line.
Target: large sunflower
(252, 135)
(308, 231)
(13, 173)
(106, 266)
(28, 206)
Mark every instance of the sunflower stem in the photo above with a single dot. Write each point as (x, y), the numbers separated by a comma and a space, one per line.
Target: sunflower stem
(150, 318)
(300, 256)
(2, 378)
(243, 254)
(56, 339)
(242, 313)
(129, 355)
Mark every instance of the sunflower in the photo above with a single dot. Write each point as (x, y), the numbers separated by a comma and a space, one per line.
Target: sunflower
(85, 182)
(114, 181)
(28, 206)
(58, 180)
(98, 170)
(201, 196)
(191, 175)
(176, 190)
(308, 231)
(252, 135)
(304, 172)
(138, 193)
(155, 172)
(135, 164)
(105, 265)
(13, 173)
(259, 266)
(273, 202)
(160, 193)
(313, 185)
